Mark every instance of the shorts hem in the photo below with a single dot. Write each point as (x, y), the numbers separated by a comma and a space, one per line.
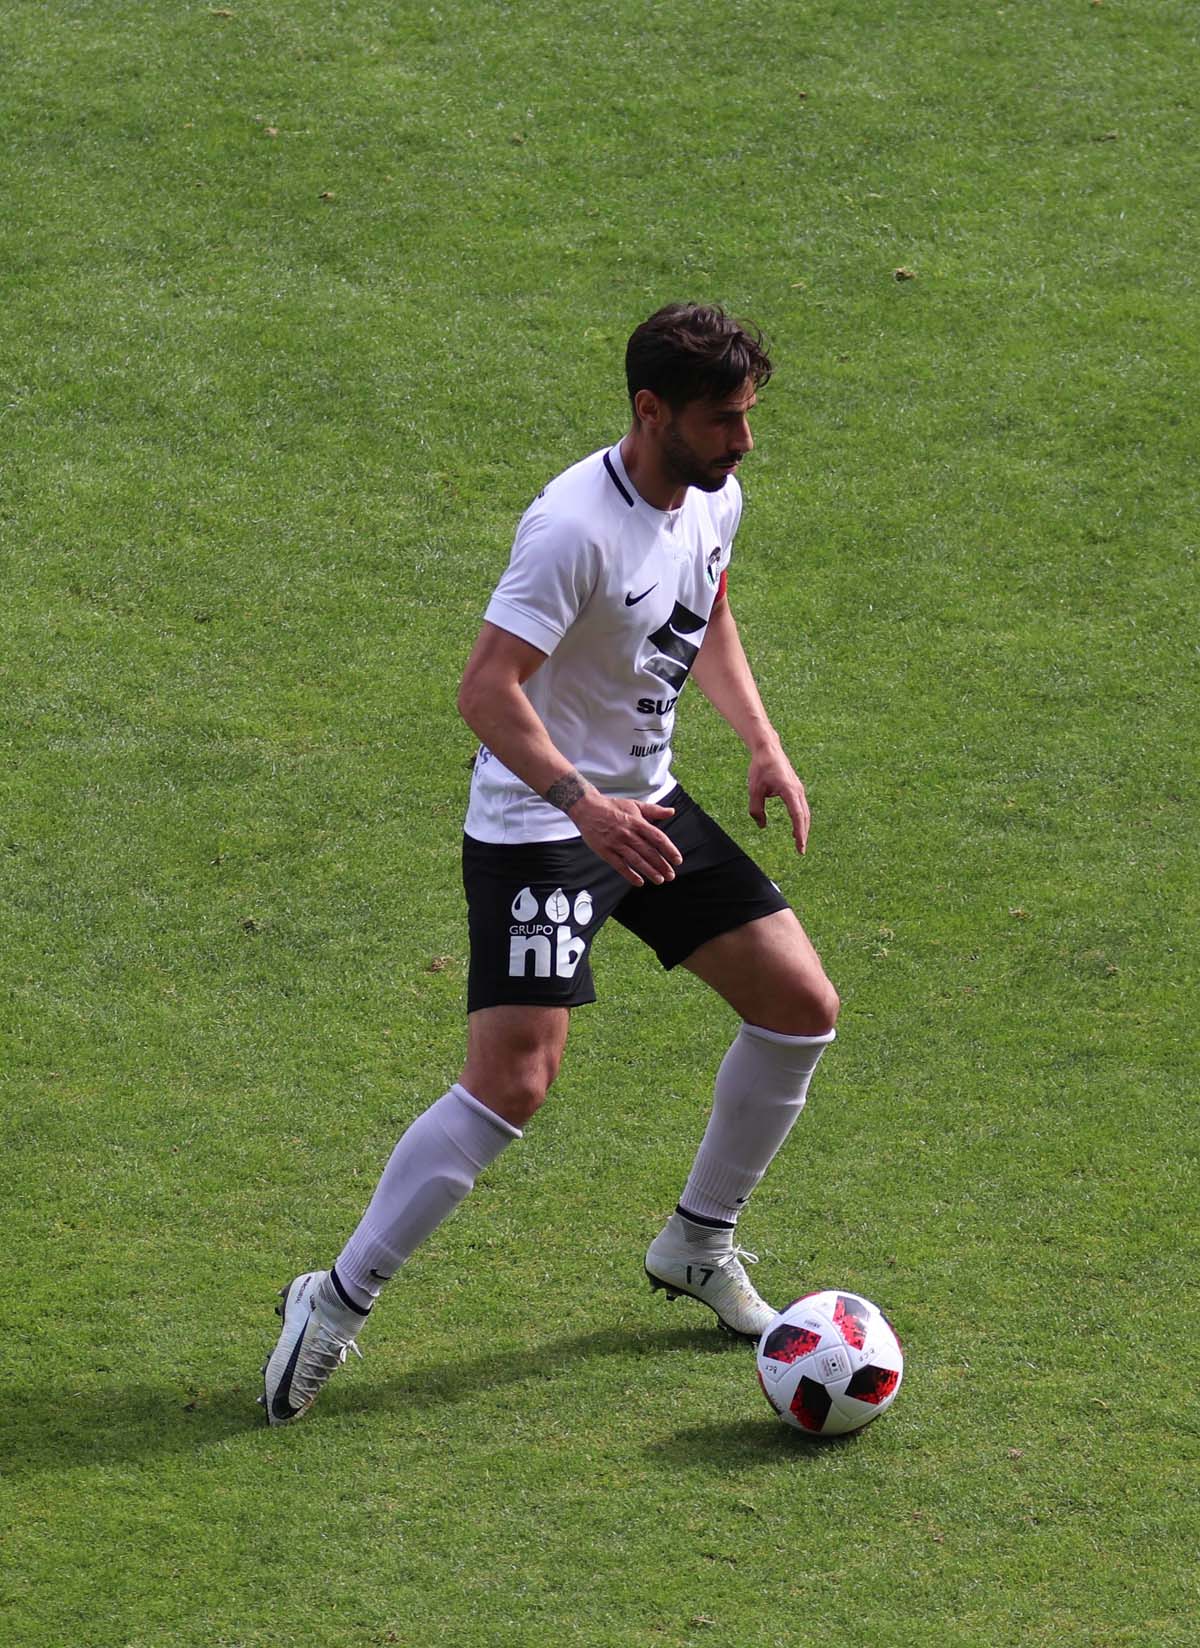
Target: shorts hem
(719, 932)
(519, 999)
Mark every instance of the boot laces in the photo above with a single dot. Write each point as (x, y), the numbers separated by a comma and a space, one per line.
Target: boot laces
(323, 1351)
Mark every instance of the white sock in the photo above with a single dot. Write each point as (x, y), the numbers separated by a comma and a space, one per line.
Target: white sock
(760, 1091)
(433, 1167)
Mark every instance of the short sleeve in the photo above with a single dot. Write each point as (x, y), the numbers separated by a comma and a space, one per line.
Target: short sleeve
(550, 577)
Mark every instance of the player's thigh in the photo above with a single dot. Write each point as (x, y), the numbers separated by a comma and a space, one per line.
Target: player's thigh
(513, 1056)
(770, 974)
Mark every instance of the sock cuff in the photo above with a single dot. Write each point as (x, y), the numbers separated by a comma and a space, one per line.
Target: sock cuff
(787, 1041)
(344, 1296)
(481, 1110)
(703, 1220)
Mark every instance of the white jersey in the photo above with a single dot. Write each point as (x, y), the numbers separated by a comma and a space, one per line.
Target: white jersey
(618, 595)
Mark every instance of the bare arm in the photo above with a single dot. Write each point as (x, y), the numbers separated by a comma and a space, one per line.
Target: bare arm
(490, 701)
(722, 672)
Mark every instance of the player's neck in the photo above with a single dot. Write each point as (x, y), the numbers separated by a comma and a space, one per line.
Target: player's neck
(645, 469)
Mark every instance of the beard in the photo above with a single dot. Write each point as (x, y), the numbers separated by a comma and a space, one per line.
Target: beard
(686, 468)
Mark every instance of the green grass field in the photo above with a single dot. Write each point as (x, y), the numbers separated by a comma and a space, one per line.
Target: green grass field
(301, 307)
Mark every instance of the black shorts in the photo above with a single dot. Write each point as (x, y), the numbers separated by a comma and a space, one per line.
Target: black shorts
(533, 910)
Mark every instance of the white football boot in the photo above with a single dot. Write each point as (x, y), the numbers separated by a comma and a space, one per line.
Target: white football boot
(704, 1264)
(311, 1346)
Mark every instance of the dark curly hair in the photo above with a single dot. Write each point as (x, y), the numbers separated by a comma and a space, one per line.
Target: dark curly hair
(693, 352)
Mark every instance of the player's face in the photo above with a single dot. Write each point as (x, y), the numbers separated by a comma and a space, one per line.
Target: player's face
(704, 442)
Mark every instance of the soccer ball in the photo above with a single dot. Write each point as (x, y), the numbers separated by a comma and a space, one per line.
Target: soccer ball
(830, 1363)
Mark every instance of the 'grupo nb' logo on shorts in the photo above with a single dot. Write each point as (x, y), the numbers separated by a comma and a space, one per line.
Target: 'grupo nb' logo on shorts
(541, 940)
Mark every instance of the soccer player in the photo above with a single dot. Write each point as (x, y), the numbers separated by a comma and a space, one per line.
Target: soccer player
(614, 595)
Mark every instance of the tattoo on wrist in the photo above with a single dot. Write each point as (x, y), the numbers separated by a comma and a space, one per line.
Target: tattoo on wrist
(565, 791)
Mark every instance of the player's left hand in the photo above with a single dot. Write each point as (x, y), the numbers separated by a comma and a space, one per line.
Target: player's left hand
(771, 773)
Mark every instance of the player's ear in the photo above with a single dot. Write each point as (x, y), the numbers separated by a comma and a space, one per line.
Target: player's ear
(650, 409)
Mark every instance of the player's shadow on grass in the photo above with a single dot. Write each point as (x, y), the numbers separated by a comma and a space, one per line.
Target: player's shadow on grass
(73, 1426)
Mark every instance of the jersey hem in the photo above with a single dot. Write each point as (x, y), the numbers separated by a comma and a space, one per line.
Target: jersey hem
(564, 830)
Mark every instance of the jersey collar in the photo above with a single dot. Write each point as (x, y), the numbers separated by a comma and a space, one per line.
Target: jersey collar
(619, 476)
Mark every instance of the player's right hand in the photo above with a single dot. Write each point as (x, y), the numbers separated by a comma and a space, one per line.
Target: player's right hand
(623, 834)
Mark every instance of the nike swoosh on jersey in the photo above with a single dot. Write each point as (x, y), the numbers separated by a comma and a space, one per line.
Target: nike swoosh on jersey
(632, 600)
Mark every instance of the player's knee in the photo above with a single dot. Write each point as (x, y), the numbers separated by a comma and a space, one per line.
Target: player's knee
(826, 1005)
(809, 1008)
(517, 1090)
(525, 1098)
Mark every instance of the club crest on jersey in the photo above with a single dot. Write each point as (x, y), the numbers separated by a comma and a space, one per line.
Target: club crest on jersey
(541, 936)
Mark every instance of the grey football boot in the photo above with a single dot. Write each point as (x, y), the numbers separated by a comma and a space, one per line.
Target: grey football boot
(705, 1265)
(313, 1343)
